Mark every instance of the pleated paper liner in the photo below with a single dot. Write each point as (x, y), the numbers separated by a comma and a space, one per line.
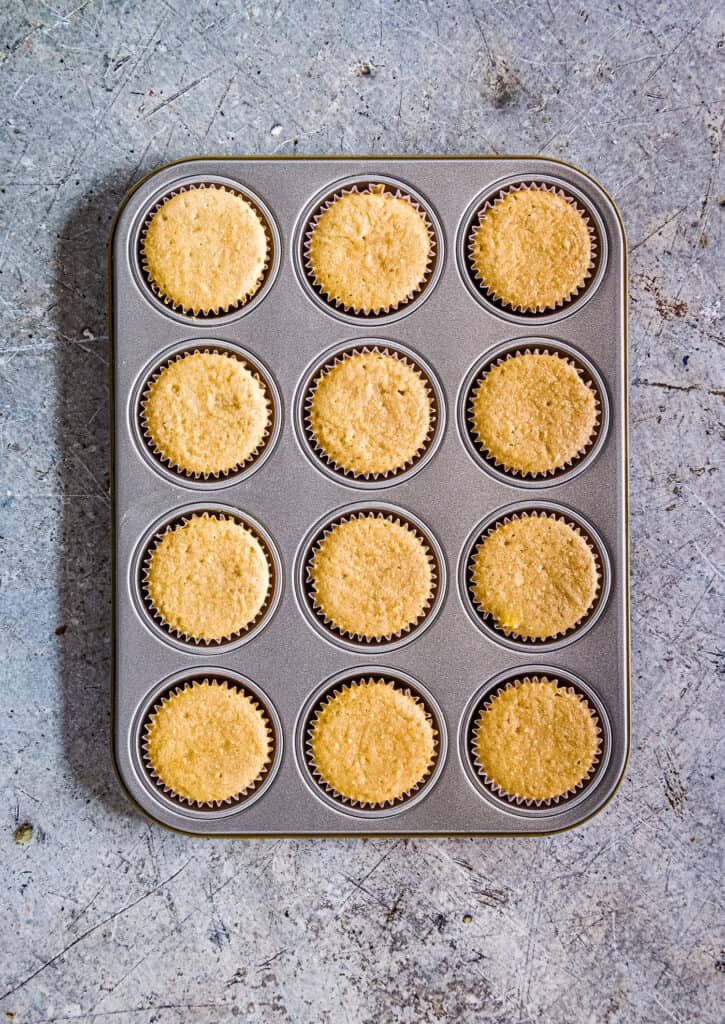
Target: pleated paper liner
(513, 799)
(407, 464)
(207, 314)
(357, 639)
(372, 186)
(237, 799)
(490, 622)
(358, 805)
(497, 197)
(198, 642)
(555, 472)
(212, 476)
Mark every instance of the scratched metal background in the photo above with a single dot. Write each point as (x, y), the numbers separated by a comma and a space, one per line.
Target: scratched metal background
(108, 918)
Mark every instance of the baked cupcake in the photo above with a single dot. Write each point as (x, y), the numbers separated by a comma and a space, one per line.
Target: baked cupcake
(208, 578)
(371, 743)
(370, 413)
(370, 251)
(206, 414)
(371, 578)
(535, 575)
(531, 249)
(533, 413)
(205, 250)
(536, 741)
(208, 742)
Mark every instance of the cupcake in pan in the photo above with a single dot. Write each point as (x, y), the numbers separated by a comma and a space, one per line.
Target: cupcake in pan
(369, 250)
(370, 413)
(535, 575)
(533, 413)
(205, 250)
(371, 577)
(371, 743)
(536, 741)
(532, 248)
(208, 743)
(206, 414)
(208, 578)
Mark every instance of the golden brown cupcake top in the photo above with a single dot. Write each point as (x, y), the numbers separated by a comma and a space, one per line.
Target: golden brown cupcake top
(205, 250)
(369, 251)
(208, 578)
(206, 413)
(532, 249)
(535, 575)
(371, 577)
(208, 742)
(371, 742)
(536, 740)
(370, 413)
(533, 412)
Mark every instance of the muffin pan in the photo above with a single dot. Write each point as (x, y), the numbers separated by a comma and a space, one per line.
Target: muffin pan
(289, 659)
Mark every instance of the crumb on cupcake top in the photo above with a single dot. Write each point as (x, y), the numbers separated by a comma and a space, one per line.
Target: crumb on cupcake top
(205, 250)
(535, 575)
(533, 412)
(208, 577)
(369, 251)
(206, 413)
(208, 742)
(371, 577)
(536, 740)
(371, 742)
(370, 413)
(532, 249)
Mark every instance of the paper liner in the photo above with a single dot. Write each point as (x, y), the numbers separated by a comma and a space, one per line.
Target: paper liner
(489, 619)
(371, 187)
(203, 314)
(224, 474)
(329, 623)
(207, 804)
(325, 369)
(526, 474)
(318, 777)
(541, 186)
(514, 798)
(179, 634)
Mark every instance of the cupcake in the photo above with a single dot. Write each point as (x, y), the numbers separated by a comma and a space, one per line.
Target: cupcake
(531, 249)
(536, 741)
(207, 742)
(370, 413)
(206, 414)
(370, 577)
(533, 413)
(205, 250)
(208, 578)
(370, 251)
(535, 575)
(371, 743)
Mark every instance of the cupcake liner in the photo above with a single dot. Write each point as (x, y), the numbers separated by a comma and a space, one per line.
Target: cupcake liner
(330, 790)
(219, 474)
(236, 798)
(325, 369)
(493, 201)
(525, 474)
(203, 314)
(488, 618)
(329, 623)
(156, 615)
(514, 798)
(371, 187)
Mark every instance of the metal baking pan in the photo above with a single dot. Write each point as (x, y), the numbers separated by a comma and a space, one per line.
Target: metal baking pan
(288, 330)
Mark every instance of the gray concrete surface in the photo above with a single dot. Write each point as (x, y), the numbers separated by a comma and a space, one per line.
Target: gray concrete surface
(106, 917)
